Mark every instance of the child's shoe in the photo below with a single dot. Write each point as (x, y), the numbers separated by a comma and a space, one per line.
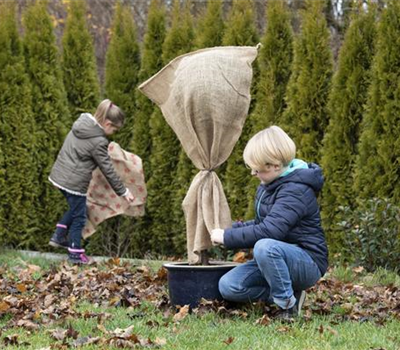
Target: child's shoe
(78, 256)
(287, 315)
(59, 239)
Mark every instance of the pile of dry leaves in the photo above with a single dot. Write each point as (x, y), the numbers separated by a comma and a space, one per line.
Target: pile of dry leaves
(49, 302)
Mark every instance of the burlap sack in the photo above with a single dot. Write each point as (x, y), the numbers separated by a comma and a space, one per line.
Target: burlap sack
(103, 202)
(205, 97)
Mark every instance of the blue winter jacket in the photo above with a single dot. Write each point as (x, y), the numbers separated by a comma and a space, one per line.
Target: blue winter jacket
(286, 210)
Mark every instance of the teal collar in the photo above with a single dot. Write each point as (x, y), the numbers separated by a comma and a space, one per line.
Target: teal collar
(294, 165)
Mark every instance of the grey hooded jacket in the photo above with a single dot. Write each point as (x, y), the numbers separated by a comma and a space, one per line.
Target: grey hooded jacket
(85, 148)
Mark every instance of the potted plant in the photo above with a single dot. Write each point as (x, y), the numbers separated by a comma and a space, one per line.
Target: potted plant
(204, 97)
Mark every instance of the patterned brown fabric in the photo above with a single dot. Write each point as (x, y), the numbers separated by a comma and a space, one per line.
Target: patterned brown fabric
(103, 202)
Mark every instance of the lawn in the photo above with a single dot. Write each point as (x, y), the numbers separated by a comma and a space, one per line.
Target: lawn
(123, 304)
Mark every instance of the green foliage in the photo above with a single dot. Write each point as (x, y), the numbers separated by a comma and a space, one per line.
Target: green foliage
(122, 70)
(274, 59)
(240, 27)
(346, 107)
(20, 187)
(180, 37)
(50, 109)
(151, 63)
(378, 170)
(79, 64)
(240, 30)
(210, 29)
(163, 186)
(373, 234)
(306, 116)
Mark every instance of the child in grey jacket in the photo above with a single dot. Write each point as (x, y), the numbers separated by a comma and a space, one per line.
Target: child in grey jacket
(84, 149)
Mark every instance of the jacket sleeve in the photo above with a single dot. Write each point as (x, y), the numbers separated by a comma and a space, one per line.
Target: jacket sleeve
(287, 211)
(103, 161)
(242, 224)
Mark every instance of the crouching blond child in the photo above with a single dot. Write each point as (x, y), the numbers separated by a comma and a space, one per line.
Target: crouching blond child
(290, 251)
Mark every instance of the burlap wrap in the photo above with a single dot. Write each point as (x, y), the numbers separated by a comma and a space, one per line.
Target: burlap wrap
(103, 202)
(204, 97)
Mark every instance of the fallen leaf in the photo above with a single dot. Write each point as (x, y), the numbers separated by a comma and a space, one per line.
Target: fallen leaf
(33, 268)
(11, 340)
(162, 274)
(123, 333)
(72, 333)
(358, 269)
(240, 257)
(59, 334)
(263, 321)
(49, 300)
(284, 329)
(160, 341)
(102, 329)
(85, 341)
(28, 325)
(181, 314)
(4, 306)
(229, 340)
(21, 287)
(332, 331)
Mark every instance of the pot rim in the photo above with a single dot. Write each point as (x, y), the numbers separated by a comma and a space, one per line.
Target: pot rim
(213, 265)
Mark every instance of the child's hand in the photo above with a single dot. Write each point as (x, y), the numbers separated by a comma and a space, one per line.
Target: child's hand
(217, 236)
(129, 196)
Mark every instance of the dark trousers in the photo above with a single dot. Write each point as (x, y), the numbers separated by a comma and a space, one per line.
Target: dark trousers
(74, 218)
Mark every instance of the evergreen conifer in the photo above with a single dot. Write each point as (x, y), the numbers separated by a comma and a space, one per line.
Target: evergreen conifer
(240, 31)
(50, 108)
(306, 116)
(274, 59)
(18, 198)
(151, 63)
(162, 186)
(346, 108)
(79, 64)
(122, 70)
(378, 170)
(210, 29)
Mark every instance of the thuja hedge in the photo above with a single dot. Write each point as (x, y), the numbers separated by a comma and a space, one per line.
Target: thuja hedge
(345, 119)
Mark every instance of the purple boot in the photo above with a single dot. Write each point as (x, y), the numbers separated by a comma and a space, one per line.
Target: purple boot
(60, 237)
(78, 256)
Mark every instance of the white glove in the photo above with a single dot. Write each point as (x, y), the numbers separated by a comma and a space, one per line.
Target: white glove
(217, 236)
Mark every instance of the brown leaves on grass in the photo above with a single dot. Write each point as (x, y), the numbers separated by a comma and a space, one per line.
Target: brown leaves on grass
(357, 302)
(51, 302)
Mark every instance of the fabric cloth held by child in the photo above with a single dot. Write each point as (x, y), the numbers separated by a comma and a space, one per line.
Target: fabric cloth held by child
(103, 202)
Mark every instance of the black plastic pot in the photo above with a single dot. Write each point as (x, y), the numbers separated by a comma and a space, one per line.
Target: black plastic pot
(187, 284)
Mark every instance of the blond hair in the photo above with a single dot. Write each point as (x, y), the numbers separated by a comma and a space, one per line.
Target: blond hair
(269, 146)
(108, 110)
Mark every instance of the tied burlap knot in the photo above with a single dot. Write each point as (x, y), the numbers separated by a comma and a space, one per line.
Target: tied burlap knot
(204, 97)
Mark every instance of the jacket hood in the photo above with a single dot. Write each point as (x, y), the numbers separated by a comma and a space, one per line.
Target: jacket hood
(87, 127)
(311, 176)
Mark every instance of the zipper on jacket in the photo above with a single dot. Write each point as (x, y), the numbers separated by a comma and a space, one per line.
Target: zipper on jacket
(258, 205)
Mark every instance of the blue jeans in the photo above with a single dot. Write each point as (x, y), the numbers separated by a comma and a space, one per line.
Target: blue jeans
(74, 218)
(277, 270)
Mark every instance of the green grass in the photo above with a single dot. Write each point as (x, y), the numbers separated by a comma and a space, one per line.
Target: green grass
(214, 331)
